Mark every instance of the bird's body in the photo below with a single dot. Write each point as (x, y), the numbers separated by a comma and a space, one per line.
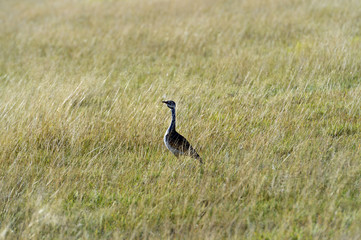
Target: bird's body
(175, 142)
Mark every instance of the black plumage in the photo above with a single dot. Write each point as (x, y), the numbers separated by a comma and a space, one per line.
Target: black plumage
(175, 142)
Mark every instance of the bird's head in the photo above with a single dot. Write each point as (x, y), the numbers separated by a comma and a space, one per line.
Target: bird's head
(170, 104)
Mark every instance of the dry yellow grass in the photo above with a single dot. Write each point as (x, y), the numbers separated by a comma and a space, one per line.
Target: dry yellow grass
(267, 91)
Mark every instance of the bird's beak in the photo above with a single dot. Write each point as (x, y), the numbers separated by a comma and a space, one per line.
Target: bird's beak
(164, 101)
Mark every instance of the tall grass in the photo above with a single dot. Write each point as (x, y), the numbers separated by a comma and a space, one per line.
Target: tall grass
(268, 92)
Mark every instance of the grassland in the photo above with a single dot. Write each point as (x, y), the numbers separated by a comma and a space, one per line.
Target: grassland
(269, 92)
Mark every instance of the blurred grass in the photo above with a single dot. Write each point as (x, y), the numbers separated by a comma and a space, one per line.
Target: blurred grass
(267, 92)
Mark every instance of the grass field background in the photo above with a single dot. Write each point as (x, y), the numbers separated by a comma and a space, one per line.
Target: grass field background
(267, 91)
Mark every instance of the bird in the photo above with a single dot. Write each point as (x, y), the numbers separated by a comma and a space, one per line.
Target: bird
(175, 142)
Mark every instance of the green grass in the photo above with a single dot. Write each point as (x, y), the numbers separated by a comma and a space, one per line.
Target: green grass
(268, 92)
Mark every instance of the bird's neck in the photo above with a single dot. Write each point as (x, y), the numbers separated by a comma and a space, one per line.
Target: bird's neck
(172, 124)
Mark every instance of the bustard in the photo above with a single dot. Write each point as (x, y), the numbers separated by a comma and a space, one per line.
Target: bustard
(175, 142)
